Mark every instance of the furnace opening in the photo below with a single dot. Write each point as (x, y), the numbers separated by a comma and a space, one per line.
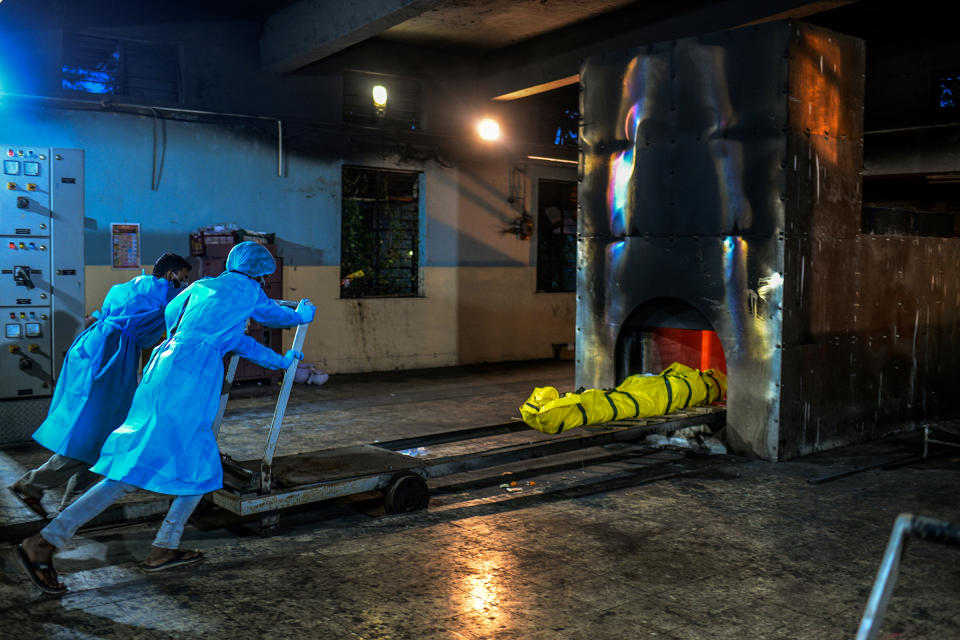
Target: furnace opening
(666, 330)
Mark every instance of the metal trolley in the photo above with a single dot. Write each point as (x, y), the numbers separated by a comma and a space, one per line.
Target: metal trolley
(267, 485)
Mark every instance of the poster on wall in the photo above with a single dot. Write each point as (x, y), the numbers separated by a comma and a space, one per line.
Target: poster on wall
(125, 244)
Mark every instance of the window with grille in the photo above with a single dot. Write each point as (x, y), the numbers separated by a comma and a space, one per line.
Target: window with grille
(145, 70)
(556, 235)
(402, 110)
(380, 233)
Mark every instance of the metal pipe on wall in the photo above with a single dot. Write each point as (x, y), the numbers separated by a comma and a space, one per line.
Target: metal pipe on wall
(150, 110)
(279, 148)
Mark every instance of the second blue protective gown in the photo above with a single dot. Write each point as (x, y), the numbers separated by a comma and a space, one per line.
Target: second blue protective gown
(166, 443)
(99, 374)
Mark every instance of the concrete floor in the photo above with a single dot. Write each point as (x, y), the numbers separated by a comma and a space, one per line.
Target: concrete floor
(623, 542)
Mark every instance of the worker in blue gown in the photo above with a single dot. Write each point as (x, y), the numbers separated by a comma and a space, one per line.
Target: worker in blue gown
(98, 379)
(166, 443)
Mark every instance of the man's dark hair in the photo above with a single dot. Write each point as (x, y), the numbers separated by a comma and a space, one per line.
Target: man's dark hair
(169, 262)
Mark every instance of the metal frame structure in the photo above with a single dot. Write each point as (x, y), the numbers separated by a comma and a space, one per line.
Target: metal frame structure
(702, 164)
(906, 526)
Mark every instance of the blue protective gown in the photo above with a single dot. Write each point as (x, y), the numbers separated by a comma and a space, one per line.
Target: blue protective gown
(99, 374)
(166, 443)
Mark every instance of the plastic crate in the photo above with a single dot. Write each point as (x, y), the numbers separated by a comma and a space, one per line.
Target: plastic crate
(243, 235)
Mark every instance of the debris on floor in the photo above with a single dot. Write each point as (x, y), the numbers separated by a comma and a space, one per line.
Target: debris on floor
(697, 441)
(308, 373)
(417, 452)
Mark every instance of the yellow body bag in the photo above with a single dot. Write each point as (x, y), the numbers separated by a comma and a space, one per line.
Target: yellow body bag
(639, 396)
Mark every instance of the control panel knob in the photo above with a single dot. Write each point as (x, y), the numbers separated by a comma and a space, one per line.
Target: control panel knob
(25, 363)
(21, 275)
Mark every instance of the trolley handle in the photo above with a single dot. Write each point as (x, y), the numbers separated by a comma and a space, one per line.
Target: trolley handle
(231, 371)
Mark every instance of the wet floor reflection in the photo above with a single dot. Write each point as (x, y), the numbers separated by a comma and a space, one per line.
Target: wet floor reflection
(488, 580)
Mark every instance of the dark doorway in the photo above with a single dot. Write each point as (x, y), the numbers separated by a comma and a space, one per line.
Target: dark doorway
(556, 235)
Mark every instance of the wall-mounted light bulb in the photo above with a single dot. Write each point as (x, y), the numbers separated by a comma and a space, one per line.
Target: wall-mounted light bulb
(380, 98)
(488, 129)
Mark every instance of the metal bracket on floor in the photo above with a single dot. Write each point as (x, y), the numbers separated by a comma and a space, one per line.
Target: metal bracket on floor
(893, 464)
(927, 440)
(906, 526)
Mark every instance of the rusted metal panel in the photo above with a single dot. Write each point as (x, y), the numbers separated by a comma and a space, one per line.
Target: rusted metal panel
(893, 363)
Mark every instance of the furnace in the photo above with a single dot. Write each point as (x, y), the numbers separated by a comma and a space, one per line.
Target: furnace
(720, 181)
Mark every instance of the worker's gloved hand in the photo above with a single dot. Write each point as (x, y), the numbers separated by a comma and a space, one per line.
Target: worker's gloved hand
(290, 357)
(306, 311)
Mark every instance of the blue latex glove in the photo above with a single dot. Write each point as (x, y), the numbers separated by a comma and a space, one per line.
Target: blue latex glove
(290, 356)
(306, 311)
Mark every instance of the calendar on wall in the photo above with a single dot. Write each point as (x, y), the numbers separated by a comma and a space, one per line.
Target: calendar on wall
(125, 244)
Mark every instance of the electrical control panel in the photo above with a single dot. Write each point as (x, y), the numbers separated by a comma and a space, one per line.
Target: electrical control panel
(41, 265)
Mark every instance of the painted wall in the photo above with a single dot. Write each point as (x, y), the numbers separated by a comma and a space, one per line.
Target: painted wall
(479, 301)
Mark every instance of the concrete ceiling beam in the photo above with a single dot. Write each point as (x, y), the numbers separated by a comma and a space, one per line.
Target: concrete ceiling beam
(553, 60)
(310, 30)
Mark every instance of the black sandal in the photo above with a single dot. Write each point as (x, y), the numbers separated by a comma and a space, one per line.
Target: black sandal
(29, 501)
(177, 561)
(32, 567)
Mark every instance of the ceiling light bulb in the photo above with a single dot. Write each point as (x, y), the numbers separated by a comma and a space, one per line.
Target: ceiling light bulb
(488, 129)
(380, 96)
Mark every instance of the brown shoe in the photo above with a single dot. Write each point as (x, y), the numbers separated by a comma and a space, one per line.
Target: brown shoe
(30, 502)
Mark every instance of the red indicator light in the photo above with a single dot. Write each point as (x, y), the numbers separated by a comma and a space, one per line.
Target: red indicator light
(10, 152)
(13, 246)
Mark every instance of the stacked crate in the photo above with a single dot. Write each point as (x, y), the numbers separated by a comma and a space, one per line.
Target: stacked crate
(209, 251)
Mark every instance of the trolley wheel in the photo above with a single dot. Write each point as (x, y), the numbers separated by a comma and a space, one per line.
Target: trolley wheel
(406, 492)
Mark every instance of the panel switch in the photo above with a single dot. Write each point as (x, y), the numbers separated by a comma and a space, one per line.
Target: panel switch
(31, 186)
(12, 186)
